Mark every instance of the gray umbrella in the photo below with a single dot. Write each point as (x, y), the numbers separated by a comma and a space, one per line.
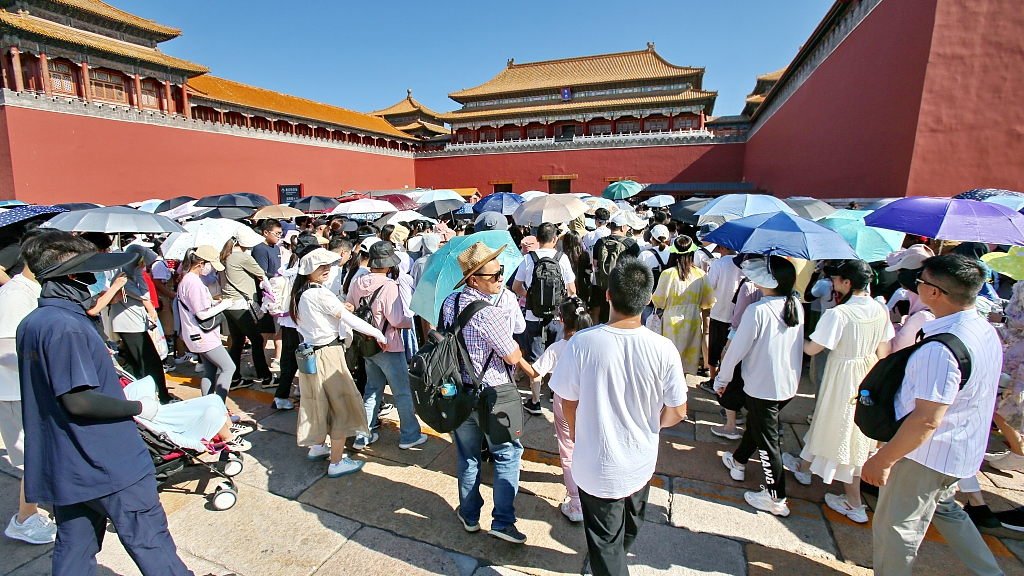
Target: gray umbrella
(113, 220)
(810, 208)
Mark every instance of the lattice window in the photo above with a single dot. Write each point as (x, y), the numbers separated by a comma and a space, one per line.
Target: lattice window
(107, 86)
(601, 128)
(627, 126)
(465, 136)
(61, 78)
(657, 125)
(488, 135)
(150, 94)
(683, 123)
(513, 134)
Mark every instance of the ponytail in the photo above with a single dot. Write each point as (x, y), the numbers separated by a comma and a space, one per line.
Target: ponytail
(785, 274)
(574, 313)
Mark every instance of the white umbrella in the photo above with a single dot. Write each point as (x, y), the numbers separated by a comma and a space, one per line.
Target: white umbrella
(554, 208)
(660, 201)
(113, 220)
(530, 195)
(212, 231)
(623, 205)
(148, 205)
(186, 210)
(432, 195)
(408, 216)
(177, 244)
(365, 206)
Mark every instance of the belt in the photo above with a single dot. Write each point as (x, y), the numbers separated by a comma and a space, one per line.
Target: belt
(337, 342)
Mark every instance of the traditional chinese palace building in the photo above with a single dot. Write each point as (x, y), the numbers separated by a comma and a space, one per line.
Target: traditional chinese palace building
(885, 98)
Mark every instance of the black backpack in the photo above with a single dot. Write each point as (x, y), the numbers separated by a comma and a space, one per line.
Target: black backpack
(547, 287)
(438, 363)
(878, 420)
(364, 345)
(606, 255)
(657, 270)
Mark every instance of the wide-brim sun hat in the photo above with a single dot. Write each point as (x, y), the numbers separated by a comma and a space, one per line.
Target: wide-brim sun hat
(382, 255)
(317, 258)
(474, 258)
(490, 221)
(246, 238)
(211, 255)
(88, 262)
(908, 259)
(756, 270)
(431, 242)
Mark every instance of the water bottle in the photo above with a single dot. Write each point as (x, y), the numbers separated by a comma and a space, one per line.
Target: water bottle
(305, 357)
(865, 398)
(448, 390)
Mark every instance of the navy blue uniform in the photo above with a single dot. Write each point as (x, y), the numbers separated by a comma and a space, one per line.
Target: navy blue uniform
(89, 469)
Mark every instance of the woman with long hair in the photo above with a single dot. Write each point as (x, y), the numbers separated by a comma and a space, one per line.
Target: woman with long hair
(686, 297)
(241, 279)
(331, 405)
(769, 343)
(195, 307)
(857, 331)
(131, 315)
(579, 258)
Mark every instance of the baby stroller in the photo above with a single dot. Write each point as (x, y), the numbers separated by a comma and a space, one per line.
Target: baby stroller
(170, 457)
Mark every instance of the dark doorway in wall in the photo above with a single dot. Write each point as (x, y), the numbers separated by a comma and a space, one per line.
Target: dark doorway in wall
(560, 186)
(502, 188)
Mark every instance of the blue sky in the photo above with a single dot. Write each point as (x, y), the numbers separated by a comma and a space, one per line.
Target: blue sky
(363, 55)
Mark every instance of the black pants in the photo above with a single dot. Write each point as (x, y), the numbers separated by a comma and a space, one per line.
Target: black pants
(289, 366)
(141, 525)
(611, 527)
(142, 359)
(242, 325)
(718, 336)
(762, 434)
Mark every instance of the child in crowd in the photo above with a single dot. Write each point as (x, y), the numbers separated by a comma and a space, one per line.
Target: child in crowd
(574, 317)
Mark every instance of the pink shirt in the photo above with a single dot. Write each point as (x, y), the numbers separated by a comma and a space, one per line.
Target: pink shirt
(387, 305)
(192, 293)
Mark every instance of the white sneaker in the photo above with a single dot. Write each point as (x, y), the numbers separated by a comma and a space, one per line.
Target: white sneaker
(572, 513)
(990, 456)
(792, 463)
(284, 404)
(344, 467)
(763, 501)
(238, 444)
(361, 442)
(36, 529)
(319, 451)
(839, 503)
(737, 471)
(1009, 462)
(720, 431)
(417, 442)
(275, 364)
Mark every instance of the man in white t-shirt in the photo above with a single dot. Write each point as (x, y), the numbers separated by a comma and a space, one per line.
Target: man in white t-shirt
(539, 332)
(724, 277)
(620, 384)
(601, 217)
(18, 297)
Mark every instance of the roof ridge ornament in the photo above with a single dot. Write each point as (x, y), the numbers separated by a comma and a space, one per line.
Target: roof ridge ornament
(650, 46)
(511, 62)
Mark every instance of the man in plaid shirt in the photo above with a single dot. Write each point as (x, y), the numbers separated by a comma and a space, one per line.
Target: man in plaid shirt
(491, 350)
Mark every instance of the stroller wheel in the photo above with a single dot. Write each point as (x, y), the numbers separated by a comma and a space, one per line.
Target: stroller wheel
(224, 498)
(233, 467)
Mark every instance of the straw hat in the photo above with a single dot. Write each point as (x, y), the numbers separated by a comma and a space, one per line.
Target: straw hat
(1007, 263)
(474, 258)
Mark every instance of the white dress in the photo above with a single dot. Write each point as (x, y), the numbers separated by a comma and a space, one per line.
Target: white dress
(834, 445)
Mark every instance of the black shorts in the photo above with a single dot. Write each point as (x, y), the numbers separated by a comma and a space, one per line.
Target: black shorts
(717, 337)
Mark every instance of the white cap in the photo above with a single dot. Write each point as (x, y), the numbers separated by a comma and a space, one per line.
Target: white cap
(247, 238)
(367, 242)
(660, 232)
(756, 269)
(316, 259)
(621, 218)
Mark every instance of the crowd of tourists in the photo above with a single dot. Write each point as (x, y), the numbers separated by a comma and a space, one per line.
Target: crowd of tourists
(600, 323)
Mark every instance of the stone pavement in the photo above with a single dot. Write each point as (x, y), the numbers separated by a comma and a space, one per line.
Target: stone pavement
(397, 515)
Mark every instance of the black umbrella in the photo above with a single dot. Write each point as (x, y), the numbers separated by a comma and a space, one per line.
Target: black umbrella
(236, 200)
(172, 203)
(229, 212)
(439, 207)
(75, 206)
(315, 204)
(685, 210)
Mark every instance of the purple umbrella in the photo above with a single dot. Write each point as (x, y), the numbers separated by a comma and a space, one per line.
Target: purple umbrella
(951, 219)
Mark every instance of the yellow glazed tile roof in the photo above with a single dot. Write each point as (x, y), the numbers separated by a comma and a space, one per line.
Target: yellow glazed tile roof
(688, 96)
(773, 75)
(619, 67)
(230, 92)
(421, 124)
(33, 25)
(755, 98)
(407, 105)
(107, 11)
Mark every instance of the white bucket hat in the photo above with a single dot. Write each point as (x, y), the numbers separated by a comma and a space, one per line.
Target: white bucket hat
(316, 259)
(756, 270)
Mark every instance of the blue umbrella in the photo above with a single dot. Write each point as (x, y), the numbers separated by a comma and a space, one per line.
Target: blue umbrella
(985, 193)
(732, 206)
(442, 271)
(782, 234)
(504, 203)
(951, 219)
(1011, 202)
(871, 244)
(10, 203)
(22, 213)
(466, 209)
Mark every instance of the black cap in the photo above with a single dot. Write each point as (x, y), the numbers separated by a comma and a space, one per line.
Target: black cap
(89, 262)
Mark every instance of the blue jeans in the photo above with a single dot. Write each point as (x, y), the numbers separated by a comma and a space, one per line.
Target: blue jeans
(391, 368)
(468, 440)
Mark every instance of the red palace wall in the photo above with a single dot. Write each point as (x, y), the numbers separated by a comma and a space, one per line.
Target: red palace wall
(696, 163)
(849, 130)
(970, 133)
(56, 158)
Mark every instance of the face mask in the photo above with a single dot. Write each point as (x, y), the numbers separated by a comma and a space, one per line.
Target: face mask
(206, 269)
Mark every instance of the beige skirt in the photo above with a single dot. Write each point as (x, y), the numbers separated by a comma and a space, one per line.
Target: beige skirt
(331, 404)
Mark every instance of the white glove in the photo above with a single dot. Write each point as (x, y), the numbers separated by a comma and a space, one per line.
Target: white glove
(150, 407)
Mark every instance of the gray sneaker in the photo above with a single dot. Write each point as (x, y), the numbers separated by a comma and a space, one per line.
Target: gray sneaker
(36, 529)
(417, 442)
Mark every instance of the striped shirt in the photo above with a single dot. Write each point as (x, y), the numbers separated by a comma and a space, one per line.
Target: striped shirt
(958, 445)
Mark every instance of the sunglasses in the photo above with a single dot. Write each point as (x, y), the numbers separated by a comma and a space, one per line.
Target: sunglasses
(939, 288)
(499, 274)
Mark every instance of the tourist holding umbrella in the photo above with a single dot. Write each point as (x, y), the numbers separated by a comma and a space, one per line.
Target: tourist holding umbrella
(13, 224)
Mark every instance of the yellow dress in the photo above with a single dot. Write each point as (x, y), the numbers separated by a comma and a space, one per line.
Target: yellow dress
(683, 300)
